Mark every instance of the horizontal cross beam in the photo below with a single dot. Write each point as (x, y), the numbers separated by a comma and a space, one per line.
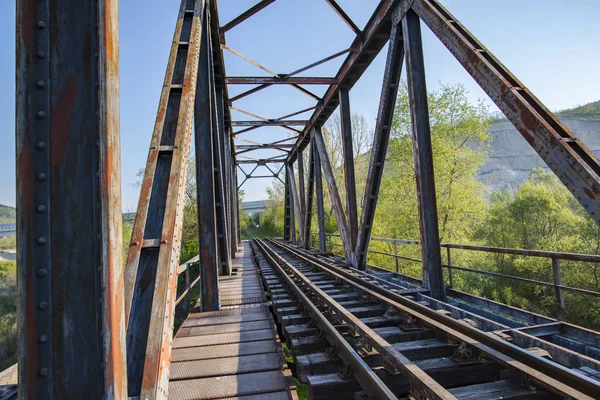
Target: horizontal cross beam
(261, 161)
(270, 123)
(261, 80)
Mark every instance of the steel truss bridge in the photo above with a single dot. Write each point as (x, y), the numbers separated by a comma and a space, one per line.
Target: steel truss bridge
(91, 327)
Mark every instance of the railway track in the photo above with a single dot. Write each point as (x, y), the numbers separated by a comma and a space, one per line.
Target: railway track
(350, 333)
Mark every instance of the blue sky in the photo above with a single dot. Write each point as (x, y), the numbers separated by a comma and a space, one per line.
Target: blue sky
(553, 46)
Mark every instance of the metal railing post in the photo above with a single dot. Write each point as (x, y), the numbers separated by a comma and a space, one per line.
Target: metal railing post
(186, 301)
(450, 273)
(396, 256)
(560, 299)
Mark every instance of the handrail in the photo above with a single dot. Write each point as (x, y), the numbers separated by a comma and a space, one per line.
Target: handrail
(553, 255)
(189, 284)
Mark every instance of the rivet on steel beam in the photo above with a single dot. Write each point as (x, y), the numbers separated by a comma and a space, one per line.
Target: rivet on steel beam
(41, 84)
(43, 305)
(41, 176)
(41, 54)
(42, 240)
(44, 371)
(42, 272)
(41, 208)
(41, 145)
(41, 24)
(40, 114)
(43, 338)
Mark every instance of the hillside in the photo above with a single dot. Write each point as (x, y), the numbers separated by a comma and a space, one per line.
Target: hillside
(8, 215)
(511, 158)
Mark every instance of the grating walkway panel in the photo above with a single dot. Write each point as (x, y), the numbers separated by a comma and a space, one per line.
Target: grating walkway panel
(233, 353)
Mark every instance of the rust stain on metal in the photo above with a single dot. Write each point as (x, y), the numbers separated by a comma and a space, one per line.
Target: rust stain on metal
(109, 28)
(590, 193)
(61, 118)
(26, 171)
(30, 335)
(114, 309)
(27, 17)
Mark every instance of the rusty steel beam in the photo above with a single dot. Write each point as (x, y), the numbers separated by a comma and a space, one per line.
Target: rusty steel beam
(151, 278)
(204, 124)
(319, 194)
(385, 115)
(334, 195)
(340, 11)
(69, 201)
(321, 61)
(433, 276)
(309, 198)
(287, 225)
(365, 48)
(248, 92)
(246, 14)
(301, 188)
(297, 207)
(271, 122)
(261, 161)
(219, 176)
(283, 80)
(348, 153)
(574, 164)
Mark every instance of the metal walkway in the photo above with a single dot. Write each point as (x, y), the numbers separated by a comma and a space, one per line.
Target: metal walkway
(234, 352)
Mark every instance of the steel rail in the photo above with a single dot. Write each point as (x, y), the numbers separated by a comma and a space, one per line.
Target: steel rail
(547, 374)
(423, 385)
(361, 371)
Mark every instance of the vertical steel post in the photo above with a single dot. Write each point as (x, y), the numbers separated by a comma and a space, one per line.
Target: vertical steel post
(287, 226)
(417, 90)
(207, 226)
(219, 175)
(560, 298)
(385, 115)
(348, 151)
(69, 201)
(319, 194)
(301, 195)
(309, 198)
(296, 203)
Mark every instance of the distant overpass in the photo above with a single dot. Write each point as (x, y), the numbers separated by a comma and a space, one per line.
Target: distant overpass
(254, 207)
(8, 230)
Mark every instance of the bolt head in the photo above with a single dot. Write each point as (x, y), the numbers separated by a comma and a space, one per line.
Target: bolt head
(41, 145)
(42, 272)
(44, 371)
(43, 305)
(42, 240)
(43, 338)
(41, 208)
(41, 176)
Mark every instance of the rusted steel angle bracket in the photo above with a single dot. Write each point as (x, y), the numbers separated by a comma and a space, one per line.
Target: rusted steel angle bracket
(150, 276)
(549, 374)
(361, 371)
(424, 386)
(575, 165)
